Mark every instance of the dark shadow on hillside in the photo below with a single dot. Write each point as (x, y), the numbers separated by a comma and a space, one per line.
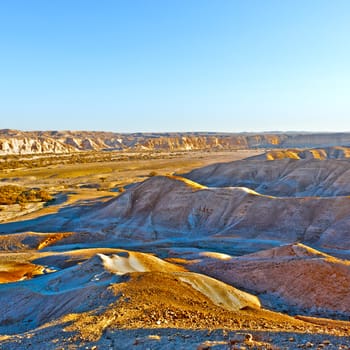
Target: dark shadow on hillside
(59, 198)
(65, 219)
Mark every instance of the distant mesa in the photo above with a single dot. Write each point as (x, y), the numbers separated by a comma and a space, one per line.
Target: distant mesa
(29, 142)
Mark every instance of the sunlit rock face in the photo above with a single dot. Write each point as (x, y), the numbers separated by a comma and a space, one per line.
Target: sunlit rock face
(19, 142)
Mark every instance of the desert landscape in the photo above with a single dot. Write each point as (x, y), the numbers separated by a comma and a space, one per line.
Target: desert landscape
(158, 241)
(175, 175)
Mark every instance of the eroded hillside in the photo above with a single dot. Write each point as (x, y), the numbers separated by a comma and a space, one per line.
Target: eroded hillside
(287, 173)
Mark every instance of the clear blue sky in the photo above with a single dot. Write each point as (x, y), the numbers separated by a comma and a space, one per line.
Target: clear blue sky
(175, 65)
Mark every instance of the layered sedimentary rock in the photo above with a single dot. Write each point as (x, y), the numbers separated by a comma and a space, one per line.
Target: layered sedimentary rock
(20, 142)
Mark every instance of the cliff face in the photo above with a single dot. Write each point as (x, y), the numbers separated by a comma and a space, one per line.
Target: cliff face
(19, 142)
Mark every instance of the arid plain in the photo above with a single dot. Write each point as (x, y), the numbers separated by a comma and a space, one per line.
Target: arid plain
(237, 247)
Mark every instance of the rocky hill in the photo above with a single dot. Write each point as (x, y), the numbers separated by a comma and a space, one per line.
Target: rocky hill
(174, 208)
(285, 174)
(171, 206)
(286, 276)
(28, 142)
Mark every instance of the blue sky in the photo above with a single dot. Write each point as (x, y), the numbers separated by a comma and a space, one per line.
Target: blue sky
(175, 65)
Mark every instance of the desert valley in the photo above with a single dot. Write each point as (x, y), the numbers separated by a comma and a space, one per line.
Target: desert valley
(174, 241)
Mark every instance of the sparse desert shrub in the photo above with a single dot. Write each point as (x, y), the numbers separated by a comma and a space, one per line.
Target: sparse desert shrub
(12, 194)
(9, 194)
(22, 206)
(45, 196)
(152, 173)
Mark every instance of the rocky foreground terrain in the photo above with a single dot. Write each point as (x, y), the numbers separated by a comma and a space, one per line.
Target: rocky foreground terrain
(17, 142)
(247, 254)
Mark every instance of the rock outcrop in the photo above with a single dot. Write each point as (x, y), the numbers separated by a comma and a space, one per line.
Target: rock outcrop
(28, 142)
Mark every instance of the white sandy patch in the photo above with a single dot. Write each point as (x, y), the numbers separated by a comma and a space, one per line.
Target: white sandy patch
(220, 293)
(248, 190)
(214, 255)
(194, 185)
(121, 265)
(129, 262)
